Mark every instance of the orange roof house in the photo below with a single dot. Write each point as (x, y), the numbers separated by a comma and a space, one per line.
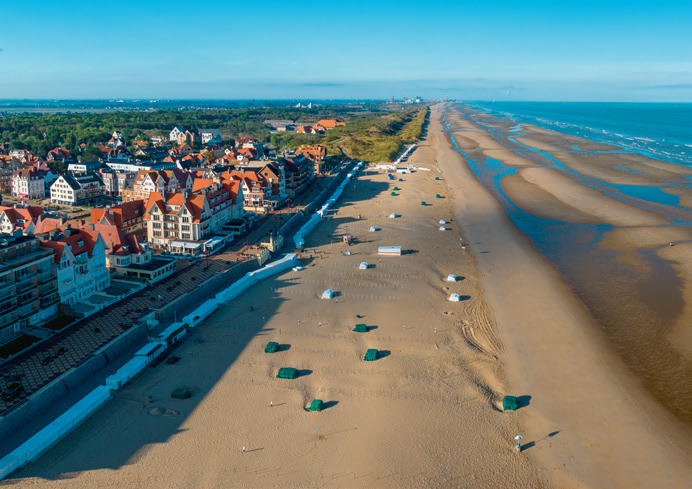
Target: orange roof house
(330, 123)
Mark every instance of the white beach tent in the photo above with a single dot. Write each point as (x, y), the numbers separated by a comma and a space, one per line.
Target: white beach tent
(393, 215)
(442, 228)
(297, 269)
(442, 221)
(454, 298)
(328, 294)
(363, 266)
(451, 278)
(373, 229)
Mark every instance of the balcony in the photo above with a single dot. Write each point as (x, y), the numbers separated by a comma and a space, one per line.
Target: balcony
(7, 289)
(8, 304)
(46, 276)
(23, 301)
(8, 318)
(28, 310)
(26, 282)
(49, 301)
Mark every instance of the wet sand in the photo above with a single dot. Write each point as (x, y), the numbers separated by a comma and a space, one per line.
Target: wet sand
(616, 433)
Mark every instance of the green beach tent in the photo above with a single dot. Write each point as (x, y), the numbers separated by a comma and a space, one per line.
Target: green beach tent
(271, 347)
(437, 196)
(181, 393)
(395, 188)
(423, 203)
(370, 355)
(509, 403)
(393, 194)
(287, 373)
(360, 328)
(316, 405)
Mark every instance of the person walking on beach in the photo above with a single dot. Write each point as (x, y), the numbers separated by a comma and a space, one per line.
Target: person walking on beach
(518, 438)
(243, 449)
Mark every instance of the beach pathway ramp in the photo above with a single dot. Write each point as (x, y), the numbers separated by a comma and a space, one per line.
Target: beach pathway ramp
(287, 373)
(370, 355)
(271, 347)
(360, 328)
(509, 403)
(316, 405)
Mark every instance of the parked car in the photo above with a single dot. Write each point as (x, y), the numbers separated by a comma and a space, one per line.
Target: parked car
(13, 391)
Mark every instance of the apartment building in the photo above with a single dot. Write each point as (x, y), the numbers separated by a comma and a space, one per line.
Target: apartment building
(28, 284)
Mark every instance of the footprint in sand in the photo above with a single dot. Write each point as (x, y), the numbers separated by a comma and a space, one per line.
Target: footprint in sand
(158, 411)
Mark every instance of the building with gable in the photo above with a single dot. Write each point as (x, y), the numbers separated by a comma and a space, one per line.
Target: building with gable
(128, 216)
(173, 136)
(28, 183)
(19, 217)
(210, 136)
(162, 181)
(77, 190)
(8, 167)
(192, 223)
(81, 260)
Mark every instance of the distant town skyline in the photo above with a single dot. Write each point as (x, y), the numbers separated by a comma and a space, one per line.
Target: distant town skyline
(586, 51)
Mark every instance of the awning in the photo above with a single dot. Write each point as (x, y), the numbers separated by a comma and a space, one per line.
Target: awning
(213, 242)
(186, 245)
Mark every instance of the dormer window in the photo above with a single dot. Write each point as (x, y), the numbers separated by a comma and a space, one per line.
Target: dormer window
(80, 243)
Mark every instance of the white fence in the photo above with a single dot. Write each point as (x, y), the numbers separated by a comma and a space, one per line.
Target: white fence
(55, 431)
(84, 408)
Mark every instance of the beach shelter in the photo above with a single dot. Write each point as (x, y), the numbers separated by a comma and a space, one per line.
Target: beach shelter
(451, 278)
(328, 294)
(316, 405)
(437, 178)
(360, 328)
(437, 196)
(393, 194)
(442, 221)
(401, 179)
(423, 203)
(271, 347)
(509, 403)
(373, 229)
(442, 228)
(370, 355)
(393, 215)
(454, 298)
(395, 188)
(363, 266)
(287, 373)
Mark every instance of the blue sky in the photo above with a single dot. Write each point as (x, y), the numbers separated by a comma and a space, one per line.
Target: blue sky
(534, 50)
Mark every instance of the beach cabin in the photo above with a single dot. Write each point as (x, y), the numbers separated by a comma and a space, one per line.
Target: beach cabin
(370, 355)
(316, 405)
(287, 373)
(271, 347)
(509, 403)
(360, 328)
(389, 250)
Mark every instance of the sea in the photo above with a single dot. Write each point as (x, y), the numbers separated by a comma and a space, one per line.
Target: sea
(659, 130)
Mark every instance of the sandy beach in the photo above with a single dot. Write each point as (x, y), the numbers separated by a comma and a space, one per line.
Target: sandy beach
(427, 413)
